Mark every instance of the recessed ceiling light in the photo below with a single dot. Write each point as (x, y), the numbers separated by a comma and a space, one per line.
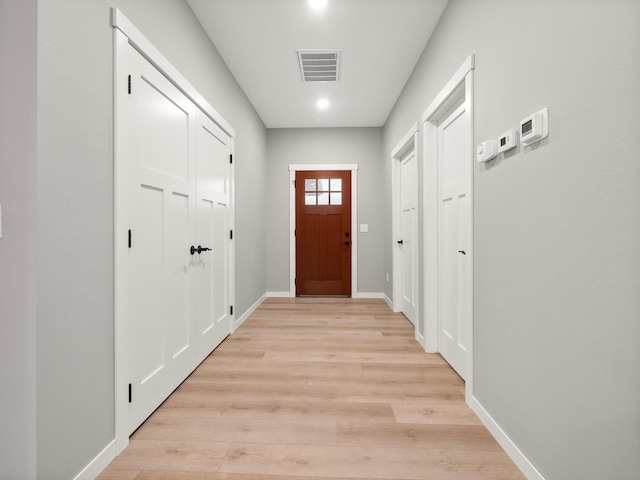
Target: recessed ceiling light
(317, 3)
(323, 103)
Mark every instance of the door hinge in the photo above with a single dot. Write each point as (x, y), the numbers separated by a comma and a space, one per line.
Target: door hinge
(230, 234)
(129, 85)
(231, 158)
(295, 232)
(130, 393)
(231, 310)
(129, 238)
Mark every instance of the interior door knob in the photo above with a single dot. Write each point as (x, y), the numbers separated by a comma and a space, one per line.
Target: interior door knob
(400, 242)
(198, 249)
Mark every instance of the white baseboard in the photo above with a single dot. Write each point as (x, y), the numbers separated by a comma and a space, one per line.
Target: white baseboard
(519, 458)
(388, 300)
(240, 320)
(278, 295)
(368, 295)
(98, 464)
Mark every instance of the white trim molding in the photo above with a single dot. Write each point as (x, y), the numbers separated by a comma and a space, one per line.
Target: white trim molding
(278, 294)
(408, 144)
(98, 464)
(463, 78)
(388, 300)
(454, 82)
(240, 320)
(379, 295)
(292, 220)
(153, 55)
(511, 449)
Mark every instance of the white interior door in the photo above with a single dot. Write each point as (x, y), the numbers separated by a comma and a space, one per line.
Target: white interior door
(212, 231)
(409, 228)
(161, 347)
(454, 246)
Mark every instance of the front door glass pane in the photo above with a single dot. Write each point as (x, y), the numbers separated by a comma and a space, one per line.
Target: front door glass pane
(310, 185)
(323, 198)
(310, 198)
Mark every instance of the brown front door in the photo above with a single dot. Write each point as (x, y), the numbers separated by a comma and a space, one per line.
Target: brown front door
(323, 233)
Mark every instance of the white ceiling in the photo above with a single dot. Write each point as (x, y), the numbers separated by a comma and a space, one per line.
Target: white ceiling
(381, 41)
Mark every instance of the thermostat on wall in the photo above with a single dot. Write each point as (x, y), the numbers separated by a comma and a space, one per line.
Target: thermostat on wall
(535, 127)
(507, 141)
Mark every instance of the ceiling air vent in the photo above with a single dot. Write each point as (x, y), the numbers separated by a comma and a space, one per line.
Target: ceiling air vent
(319, 65)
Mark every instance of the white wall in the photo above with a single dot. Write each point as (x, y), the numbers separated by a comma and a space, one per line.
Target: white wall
(18, 242)
(557, 226)
(75, 366)
(361, 146)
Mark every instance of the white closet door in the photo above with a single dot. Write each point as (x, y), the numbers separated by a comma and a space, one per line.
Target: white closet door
(212, 231)
(454, 247)
(161, 318)
(409, 225)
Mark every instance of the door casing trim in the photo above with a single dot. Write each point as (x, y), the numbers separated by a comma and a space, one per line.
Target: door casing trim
(462, 79)
(408, 144)
(354, 221)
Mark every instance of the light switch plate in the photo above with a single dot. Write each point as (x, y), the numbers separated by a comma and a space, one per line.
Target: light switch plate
(364, 227)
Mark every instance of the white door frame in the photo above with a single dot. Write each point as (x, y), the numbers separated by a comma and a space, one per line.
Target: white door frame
(408, 144)
(125, 34)
(354, 221)
(462, 79)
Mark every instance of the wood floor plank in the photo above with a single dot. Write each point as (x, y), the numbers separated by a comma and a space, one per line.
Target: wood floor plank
(198, 391)
(169, 455)
(219, 429)
(406, 435)
(230, 476)
(316, 389)
(397, 357)
(444, 413)
(315, 411)
(366, 463)
(308, 375)
(117, 474)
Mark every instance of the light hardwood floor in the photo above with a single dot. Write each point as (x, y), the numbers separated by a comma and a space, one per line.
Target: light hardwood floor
(316, 389)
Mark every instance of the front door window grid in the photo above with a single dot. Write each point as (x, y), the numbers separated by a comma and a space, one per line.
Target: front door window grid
(323, 191)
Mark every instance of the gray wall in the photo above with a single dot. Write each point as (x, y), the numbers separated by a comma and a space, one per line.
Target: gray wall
(361, 146)
(18, 242)
(557, 226)
(75, 369)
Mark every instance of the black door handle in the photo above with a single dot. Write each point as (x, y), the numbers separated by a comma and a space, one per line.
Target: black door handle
(462, 252)
(347, 243)
(199, 249)
(400, 242)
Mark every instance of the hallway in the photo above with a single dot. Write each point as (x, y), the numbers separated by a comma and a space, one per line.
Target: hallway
(316, 388)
